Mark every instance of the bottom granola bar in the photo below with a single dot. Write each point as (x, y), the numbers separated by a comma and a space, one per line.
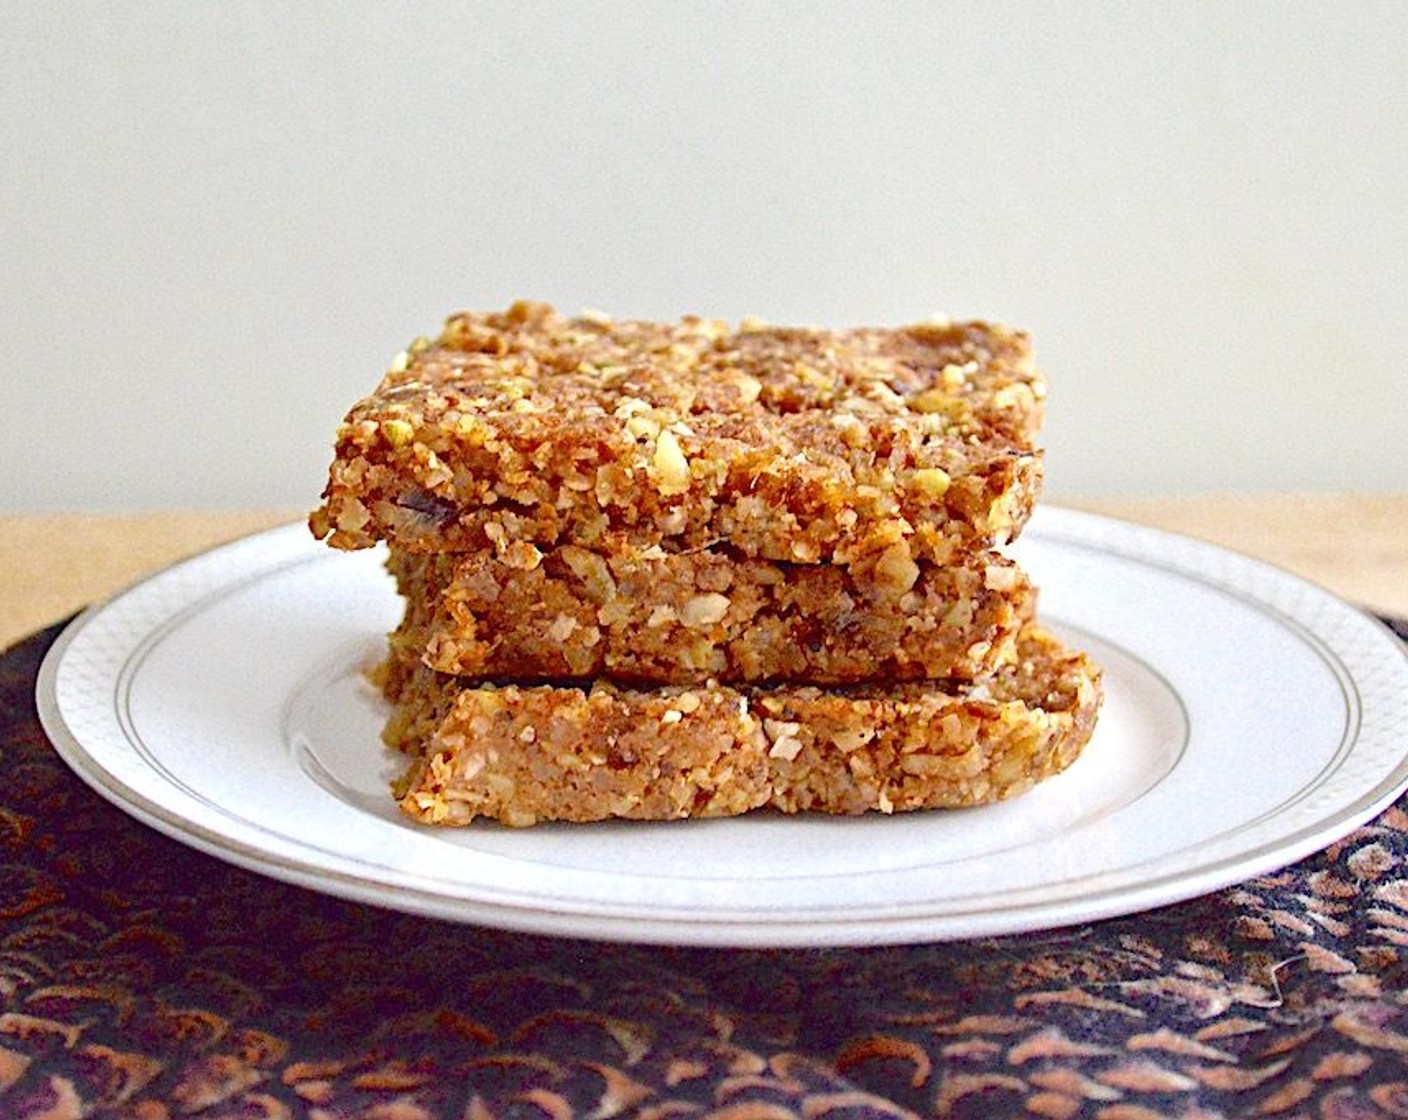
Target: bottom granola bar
(525, 754)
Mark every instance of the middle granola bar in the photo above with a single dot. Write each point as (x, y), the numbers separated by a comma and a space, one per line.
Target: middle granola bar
(683, 618)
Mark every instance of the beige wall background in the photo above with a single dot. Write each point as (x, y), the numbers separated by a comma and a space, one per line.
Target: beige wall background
(221, 220)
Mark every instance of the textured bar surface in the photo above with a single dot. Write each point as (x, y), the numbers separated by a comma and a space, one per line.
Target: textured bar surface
(523, 754)
(803, 445)
(683, 618)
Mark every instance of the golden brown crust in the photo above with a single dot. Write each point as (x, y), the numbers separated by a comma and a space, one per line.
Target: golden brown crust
(523, 754)
(798, 445)
(685, 618)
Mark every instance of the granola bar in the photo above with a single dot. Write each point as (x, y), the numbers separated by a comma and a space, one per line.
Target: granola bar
(524, 754)
(787, 444)
(683, 618)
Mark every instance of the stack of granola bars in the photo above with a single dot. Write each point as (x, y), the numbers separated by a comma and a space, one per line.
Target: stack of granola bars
(670, 570)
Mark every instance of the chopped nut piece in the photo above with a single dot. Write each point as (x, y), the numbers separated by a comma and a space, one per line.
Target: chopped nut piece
(522, 556)
(998, 577)
(780, 729)
(852, 739)
(671, 466)
(895, 571)
(785, 748)
(398, 433)
(1014, 396)
(749, 388)
(933, 481)
(562, 627)
(932, 400)
(592, 570)
(704, 610)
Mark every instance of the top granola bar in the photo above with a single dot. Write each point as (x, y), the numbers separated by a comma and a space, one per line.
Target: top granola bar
(801, 445)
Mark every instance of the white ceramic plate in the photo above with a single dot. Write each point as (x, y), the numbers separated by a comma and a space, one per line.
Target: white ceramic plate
(1250, 720)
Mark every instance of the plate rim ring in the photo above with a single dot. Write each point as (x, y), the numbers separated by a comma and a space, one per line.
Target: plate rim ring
(725, 931)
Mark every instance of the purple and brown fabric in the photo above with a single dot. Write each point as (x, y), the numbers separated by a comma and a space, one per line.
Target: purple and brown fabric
(141, 979)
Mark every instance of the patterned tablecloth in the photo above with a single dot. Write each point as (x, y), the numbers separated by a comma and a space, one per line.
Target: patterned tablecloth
(141, 979)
